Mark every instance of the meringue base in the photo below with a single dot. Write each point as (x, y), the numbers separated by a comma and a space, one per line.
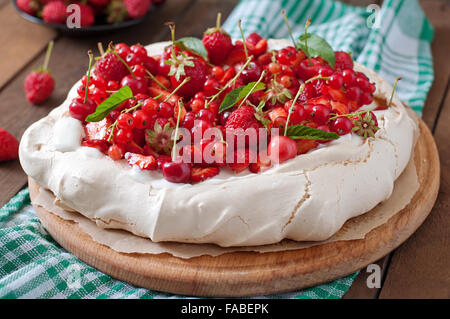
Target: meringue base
(246, 273)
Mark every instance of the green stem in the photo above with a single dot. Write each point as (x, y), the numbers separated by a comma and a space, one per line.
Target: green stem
(47, 56)
(300, 90)
(289, 28)
(155, 79)
(180, 103)
(215, 96)
(91, 58)
(243, 39)
(100, 48)
(122, 60)
(251, 91)
(187, 79)
(308, 22)
(393, 90)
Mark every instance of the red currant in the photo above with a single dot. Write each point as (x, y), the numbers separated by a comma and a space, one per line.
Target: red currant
(165, 109)
(287, 55)
(150, 106)
(123, 136)
(217, 72)
(341, 125)
(116, 152)
(137, 85)
(365, 98)
(320, 114)
(251, 73)
(141, 119)
(125, 121)
(206, 115)
(349, 77)
(353, 93)
(336, 81)
(189, 119)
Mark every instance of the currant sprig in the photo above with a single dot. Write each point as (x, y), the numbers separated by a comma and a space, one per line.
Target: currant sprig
(300, 90)
(231, 81)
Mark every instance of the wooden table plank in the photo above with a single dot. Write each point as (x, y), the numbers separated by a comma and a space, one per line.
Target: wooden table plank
(25, 41)
(420, 268)
(438, 13)
(69, 62)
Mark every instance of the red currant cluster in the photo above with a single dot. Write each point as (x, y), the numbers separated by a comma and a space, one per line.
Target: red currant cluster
(179, 89)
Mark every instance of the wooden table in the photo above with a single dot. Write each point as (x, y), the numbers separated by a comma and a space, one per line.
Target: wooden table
(420, 268)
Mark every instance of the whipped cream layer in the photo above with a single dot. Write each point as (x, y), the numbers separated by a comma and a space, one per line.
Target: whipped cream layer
(307, 198)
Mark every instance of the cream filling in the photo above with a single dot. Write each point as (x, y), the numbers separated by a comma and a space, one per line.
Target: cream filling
(306, 198)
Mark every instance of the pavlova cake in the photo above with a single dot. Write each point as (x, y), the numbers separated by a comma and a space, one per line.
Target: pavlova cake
(234, 143)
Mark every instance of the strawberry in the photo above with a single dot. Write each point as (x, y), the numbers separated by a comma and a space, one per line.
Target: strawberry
(39, 84)
(98, 130)
(199, 174)
(236, 54)
(54, 12)
(110, 67)
(141, 161)
(87, 17)
(304, 146)
(217, 42)
(256, 45)
(9, 146)
(137, 8)
(262, 164)
(28, 6)
(244, 118)
(184, 66)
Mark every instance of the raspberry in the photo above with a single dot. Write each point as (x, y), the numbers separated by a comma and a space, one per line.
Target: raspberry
(111, 68)
(9, 146)
(54, 12)
(28, 6)
(217, 42)
(137, 8)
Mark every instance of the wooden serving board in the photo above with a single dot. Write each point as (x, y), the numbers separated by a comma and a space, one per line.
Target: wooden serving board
(251, 273)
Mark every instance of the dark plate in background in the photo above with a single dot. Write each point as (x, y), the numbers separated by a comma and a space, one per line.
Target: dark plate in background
(100, 27)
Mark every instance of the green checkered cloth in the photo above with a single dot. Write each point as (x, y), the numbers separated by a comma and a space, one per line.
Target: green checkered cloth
(393, 40)
(33, 265)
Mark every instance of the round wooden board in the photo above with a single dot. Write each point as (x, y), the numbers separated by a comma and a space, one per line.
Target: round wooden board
(250, 273)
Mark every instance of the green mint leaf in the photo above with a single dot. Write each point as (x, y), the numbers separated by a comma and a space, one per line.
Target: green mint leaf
(297, 132)
(317, 46)
(108, 105)
(238, 94)
(192, 44)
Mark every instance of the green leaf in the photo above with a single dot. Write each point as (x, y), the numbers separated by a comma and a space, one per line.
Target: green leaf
(297, 132)
(238, 94)
(108, 105)
(317, 46)
(192, 44)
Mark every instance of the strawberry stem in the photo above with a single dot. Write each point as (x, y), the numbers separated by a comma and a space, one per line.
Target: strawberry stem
(243, 39)
(172, 31)
(180, 104)
(187, 79)
(47, 56)
(100, 48)
(393, 90)
(288, 27)
(91, 58)
(254, 86)
(219, 17)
